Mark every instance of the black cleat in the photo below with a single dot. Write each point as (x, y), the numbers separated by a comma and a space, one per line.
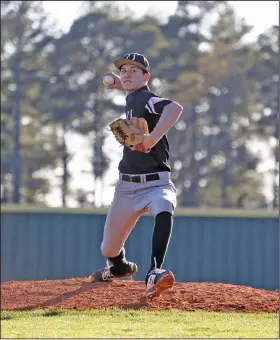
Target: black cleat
(108, 275)
(159, 280)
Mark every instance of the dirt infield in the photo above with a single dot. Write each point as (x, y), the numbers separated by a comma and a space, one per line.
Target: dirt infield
(79, 295)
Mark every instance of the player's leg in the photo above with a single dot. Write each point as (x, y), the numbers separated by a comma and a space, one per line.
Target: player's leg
(121, 219)
(162, 207)
(160, 239)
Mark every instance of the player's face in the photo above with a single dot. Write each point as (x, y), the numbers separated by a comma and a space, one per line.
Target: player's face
(132, 77)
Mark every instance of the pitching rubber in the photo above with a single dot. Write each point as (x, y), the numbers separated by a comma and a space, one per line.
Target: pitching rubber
(165, 282)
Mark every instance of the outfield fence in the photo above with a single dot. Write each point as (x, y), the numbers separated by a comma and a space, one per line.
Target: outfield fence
(229, 246)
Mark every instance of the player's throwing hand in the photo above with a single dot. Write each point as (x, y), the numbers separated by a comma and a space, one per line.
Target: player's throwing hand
(117, 85)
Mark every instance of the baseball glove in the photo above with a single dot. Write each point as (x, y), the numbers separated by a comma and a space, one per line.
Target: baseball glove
(131, 133)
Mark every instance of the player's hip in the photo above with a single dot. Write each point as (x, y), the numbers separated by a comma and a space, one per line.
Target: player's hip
(162, 176)
(145, 181)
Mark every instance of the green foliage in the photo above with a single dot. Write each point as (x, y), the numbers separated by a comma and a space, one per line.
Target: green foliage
(24, 40)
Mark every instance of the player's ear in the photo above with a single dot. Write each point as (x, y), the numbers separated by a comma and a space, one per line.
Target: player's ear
(147, 76)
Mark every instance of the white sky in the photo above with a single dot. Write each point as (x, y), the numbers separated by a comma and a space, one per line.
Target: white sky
(260, 14)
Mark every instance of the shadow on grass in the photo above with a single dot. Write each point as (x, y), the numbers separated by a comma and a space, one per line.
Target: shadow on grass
(6, 317)
(136, 306)
(51, 313)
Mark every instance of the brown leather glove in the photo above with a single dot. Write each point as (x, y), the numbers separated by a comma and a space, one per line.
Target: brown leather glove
(131, 133)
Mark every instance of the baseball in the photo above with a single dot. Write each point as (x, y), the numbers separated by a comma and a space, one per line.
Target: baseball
(108, 80)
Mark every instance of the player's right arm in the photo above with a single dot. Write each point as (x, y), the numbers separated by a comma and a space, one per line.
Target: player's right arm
(117, 84)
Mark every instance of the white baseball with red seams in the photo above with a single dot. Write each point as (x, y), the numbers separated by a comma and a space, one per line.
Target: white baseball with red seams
(108, 80)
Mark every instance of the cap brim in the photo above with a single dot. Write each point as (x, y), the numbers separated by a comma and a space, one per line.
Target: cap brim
(120, 62)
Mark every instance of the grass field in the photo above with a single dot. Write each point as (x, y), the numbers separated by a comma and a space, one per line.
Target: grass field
(137, 324)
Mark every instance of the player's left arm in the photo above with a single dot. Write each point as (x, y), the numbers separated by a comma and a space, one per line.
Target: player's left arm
(169, 112)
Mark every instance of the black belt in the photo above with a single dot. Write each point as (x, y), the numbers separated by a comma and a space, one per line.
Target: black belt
(137, 178)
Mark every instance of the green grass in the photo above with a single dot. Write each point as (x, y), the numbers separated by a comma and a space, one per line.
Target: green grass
(137, 324)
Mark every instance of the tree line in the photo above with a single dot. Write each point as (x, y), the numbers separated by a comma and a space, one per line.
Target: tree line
(51, 86)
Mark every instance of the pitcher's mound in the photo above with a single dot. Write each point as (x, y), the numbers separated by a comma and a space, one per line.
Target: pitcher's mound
(80, 295)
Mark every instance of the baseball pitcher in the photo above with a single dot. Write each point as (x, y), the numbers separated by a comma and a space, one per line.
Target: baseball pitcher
(144, 183)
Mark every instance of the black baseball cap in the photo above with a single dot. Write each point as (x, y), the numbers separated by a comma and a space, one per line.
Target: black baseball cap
(133, 59)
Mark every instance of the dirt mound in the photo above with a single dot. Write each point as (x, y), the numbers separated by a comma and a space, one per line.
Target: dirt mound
(79, 295)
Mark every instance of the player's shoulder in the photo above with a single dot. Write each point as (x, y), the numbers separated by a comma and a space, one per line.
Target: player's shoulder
(145, 94)
(156, 103)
